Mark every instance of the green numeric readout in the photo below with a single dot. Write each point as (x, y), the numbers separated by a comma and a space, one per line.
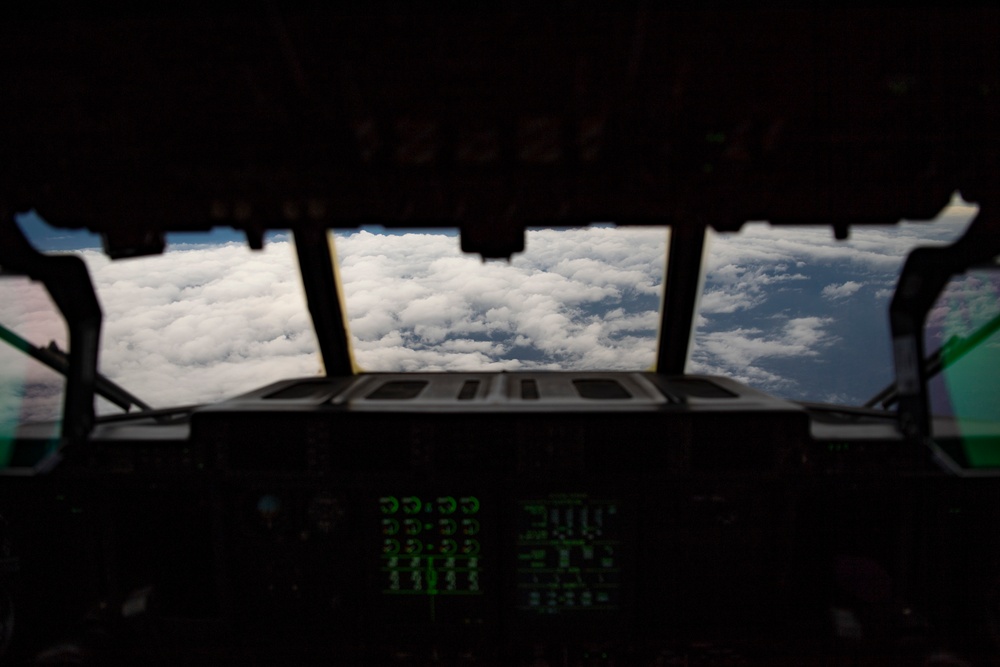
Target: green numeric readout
(430, 545)
(568, 554)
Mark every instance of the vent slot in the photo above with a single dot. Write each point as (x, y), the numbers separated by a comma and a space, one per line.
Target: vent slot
(696, 388)
(529, 390)
(469, 390)
(301, 390)
(601, 389)
(398, 390)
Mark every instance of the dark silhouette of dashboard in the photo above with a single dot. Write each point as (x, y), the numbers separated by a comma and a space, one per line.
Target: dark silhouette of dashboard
(401, 517)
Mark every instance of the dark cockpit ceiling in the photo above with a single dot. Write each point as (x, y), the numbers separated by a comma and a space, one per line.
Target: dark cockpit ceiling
(135, 124)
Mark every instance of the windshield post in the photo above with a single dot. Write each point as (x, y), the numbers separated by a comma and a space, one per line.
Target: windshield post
(680, 297)
(323, 294)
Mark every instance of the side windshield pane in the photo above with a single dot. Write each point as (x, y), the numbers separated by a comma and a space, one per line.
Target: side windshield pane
(801, 315)
(575, 299)
(204, 321)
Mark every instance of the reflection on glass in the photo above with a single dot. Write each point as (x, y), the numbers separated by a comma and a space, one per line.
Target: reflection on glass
(965, 326)
(29, 390)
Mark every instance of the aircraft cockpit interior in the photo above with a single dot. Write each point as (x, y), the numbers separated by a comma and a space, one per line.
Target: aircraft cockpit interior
(537, 337)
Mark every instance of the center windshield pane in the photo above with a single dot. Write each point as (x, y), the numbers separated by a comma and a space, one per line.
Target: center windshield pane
(583, 298)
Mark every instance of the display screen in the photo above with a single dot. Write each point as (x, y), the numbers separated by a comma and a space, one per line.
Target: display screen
(430, 545)
(568, 554)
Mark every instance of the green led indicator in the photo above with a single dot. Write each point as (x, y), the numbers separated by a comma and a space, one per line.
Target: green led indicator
(432, 577)
(447, 504)
(427, 555)
(470, 504)
(389, 504)
(566, 560)
(412, 505)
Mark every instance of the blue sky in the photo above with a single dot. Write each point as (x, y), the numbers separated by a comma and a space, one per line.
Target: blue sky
(47, 238)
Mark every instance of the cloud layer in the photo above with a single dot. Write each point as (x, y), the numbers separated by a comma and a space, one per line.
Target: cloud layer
(585, 298)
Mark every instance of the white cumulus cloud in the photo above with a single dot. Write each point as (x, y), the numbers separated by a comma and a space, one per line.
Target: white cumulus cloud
(841, 291)
(561, 304)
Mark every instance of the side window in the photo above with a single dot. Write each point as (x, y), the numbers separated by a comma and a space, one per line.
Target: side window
(964, 329)
(801, 314)
(29, 390)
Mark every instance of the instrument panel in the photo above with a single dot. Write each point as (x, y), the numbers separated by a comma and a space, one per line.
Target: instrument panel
(709, 523)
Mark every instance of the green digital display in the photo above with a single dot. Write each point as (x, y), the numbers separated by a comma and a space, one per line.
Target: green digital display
(568, 554)
(430, 545)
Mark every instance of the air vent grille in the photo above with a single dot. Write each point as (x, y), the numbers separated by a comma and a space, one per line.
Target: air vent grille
(529, 390)
(601, 389)
(398, 390)
(469, 389)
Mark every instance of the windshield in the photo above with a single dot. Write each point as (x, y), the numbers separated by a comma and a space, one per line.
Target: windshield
(206, 320)
(801, 315)
(790, 311)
